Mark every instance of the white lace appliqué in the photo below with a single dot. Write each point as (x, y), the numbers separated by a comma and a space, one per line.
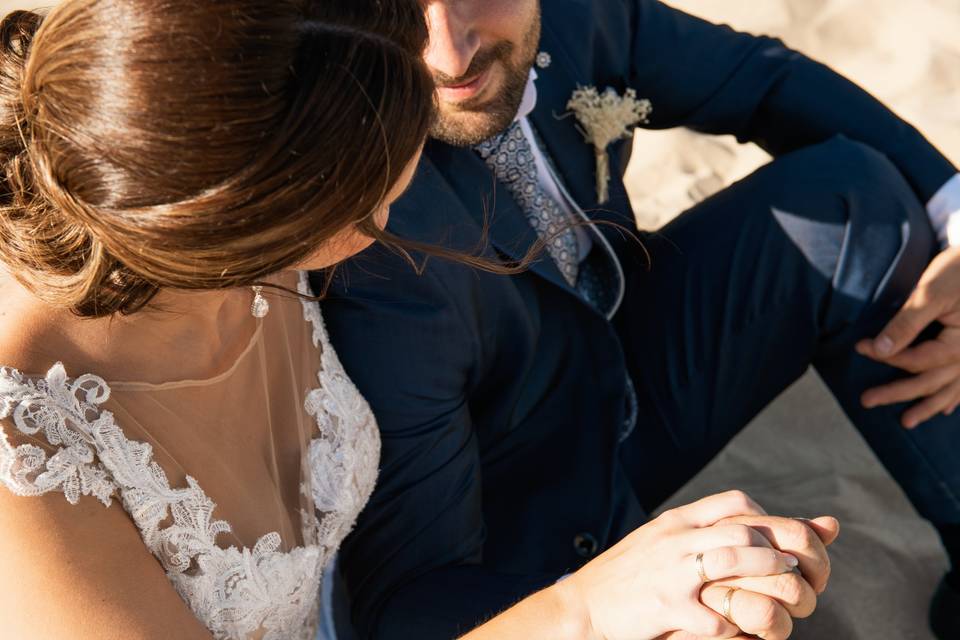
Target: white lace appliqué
(65, 414)
(236, 592)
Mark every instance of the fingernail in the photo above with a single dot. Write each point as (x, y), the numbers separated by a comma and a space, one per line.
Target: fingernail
(791, 561)
(883, 345)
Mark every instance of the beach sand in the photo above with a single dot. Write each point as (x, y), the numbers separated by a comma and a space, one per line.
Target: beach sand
(801, 457)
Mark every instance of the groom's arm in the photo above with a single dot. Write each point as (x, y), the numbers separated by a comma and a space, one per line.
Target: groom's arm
(716, 80)
(414, 564)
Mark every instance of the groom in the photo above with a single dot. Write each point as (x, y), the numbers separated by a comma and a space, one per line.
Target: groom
(530, 421)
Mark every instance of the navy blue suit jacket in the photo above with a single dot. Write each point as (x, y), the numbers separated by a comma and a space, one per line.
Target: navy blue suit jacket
(500, 398)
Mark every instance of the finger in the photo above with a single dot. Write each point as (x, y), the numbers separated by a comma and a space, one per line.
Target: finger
(800, 540)
(720, 535)
(737, 562)
(754, 613)
(700, 621)
(712, 509)
(929, 407)
(927, 355)
(918, 312)
(789, 589)
(827, 528)
(686, 635)
(912, 388)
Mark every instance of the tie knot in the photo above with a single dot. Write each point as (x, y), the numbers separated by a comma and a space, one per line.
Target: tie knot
(511, 140)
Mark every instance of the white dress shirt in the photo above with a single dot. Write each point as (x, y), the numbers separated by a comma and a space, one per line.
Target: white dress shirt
(943, 208)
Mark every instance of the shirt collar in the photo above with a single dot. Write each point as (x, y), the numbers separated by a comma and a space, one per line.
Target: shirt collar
(529, 97)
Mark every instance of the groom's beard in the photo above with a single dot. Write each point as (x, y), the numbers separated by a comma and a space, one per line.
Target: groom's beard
(472, 121)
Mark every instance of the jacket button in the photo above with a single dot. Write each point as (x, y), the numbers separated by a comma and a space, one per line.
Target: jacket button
(585, 545)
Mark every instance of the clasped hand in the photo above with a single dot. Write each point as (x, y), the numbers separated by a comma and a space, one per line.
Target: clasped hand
(762, 572)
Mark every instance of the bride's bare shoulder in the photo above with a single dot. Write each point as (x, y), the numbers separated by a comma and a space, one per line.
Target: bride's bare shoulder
(81, 571)
(72, 570)
(33, 336)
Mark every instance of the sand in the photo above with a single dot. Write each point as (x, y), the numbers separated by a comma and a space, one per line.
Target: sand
(887, 560)
(906, 53)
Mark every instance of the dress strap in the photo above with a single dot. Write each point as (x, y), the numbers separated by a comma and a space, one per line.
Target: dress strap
(66, 415)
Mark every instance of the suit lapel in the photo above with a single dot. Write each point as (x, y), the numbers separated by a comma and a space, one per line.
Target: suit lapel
(573, 158)
(489, 202)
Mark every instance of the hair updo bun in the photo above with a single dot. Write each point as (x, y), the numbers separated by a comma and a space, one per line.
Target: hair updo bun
(198, 145)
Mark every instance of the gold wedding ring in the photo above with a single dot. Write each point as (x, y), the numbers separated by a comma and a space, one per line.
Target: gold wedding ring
(700, 570)
(727, 601)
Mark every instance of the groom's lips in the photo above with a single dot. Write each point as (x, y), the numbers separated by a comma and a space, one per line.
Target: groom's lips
(465, 91)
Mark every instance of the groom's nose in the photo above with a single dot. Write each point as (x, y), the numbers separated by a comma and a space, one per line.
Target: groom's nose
(454, 36)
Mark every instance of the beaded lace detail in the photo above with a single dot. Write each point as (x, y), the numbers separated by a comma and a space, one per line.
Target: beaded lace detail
(236, 592)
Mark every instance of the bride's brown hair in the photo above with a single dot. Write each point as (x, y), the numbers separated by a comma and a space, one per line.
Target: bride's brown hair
(150, 144)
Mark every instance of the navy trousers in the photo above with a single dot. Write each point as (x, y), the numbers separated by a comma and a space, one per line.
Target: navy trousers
(787, 268)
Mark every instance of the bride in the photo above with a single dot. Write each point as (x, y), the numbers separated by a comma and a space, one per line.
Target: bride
(183, 450)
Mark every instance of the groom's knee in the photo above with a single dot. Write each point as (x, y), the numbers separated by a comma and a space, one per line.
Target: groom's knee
(873, 233)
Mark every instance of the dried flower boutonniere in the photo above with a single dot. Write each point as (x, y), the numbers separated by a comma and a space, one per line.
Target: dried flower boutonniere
(605, 118)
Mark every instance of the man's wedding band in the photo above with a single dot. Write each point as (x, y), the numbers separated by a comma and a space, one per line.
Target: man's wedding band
(700, 570)
(727, 601)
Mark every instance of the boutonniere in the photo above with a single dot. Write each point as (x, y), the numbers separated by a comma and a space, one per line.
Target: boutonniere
(603, 119)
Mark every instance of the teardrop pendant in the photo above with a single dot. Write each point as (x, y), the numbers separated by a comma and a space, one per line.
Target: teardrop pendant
(260, 306)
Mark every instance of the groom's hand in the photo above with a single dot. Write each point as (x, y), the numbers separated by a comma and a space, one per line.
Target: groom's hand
(765, 607)
(806, 539)
(934, 363)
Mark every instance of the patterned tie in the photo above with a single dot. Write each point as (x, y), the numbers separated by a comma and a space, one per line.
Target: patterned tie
(510, 158)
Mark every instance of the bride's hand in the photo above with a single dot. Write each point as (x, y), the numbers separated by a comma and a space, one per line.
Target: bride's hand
(649, 584)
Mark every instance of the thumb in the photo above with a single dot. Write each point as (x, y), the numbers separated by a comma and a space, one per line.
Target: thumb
(701, 621)
(918, 312)
(826, 527)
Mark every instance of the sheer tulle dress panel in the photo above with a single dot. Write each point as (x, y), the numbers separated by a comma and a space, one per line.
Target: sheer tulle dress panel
(242, 435)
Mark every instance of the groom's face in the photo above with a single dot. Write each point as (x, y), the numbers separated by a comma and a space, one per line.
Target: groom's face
(480, 53)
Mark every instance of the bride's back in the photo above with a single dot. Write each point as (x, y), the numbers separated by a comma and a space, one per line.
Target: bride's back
(160, 158)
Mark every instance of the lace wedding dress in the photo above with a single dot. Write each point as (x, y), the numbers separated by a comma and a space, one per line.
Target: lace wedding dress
(258, 572)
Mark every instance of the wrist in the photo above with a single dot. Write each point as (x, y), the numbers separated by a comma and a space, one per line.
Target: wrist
(572, 614)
